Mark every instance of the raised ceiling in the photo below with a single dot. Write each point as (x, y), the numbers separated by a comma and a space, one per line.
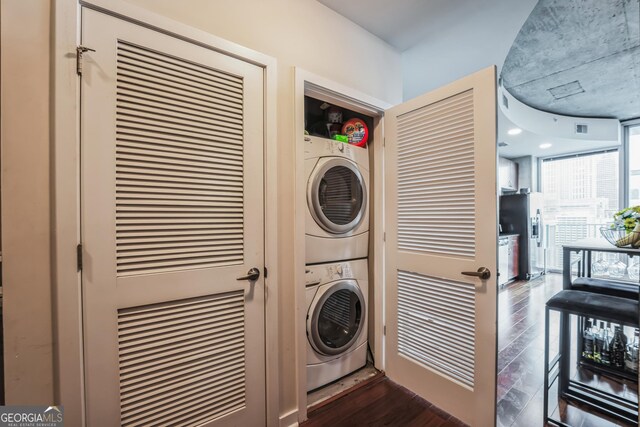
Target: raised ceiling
(578, 58)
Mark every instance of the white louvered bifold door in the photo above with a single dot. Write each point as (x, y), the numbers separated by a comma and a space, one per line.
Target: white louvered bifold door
(441, 220)
(172, 214)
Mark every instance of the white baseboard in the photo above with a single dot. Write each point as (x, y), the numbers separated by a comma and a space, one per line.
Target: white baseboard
(289, 419)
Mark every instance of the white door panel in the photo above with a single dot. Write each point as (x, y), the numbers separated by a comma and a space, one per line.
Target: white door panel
(441, 220)
(172, 214)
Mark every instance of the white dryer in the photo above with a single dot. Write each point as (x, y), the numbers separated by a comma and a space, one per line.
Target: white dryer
(337, 214)
(336, 320)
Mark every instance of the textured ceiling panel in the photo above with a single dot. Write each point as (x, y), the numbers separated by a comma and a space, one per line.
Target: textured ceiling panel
(579, 58)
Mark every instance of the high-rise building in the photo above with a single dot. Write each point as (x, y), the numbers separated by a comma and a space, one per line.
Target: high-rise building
(581, 194)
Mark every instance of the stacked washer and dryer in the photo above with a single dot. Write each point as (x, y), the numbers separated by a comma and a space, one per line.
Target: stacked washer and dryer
(337, 245)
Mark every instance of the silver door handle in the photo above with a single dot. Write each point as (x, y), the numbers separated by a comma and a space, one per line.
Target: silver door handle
(483, 273)
(252, 275)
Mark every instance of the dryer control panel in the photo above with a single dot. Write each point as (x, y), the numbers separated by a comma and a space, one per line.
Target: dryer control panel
(316, 274)
(315, 147)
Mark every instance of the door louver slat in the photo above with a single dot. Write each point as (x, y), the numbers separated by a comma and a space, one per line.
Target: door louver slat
(436, 324)
(181, 65)
(179, 164)
(179, 356)
(173, 374)
(436, 209)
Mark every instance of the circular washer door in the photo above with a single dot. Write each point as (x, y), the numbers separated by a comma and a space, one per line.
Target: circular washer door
(337, 195)
(336, 318)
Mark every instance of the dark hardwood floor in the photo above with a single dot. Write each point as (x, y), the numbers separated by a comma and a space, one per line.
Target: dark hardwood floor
(521, 353)
(380, 402)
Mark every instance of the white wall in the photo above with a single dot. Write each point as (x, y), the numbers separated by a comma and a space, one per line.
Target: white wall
(26, 272)
(469, 37)
(302, 33)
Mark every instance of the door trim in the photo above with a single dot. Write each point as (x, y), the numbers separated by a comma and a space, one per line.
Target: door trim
(68, 363)
(307, 83)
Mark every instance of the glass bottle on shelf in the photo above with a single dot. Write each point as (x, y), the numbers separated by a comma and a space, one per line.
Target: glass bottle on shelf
(600, 267)
(587, 341)
(617, 269)
(617, 349)
(597, 341)
(631, 355)
(605, 354)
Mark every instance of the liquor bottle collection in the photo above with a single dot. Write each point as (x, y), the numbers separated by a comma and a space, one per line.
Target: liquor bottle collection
(610, 347)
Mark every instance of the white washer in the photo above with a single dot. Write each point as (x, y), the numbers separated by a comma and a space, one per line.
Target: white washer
(337, 303)
(337, 214)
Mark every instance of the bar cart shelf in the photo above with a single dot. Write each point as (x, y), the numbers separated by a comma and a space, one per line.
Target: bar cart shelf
(609, 370)
(578, 259)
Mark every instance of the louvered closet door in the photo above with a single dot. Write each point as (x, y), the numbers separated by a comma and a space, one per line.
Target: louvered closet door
(441, 219)
(172, 214)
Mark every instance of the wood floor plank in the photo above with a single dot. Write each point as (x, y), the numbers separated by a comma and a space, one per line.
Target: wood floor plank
(381, 403)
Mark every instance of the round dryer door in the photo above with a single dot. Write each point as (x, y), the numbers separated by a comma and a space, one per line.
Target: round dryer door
(336, 317)
(337, 195)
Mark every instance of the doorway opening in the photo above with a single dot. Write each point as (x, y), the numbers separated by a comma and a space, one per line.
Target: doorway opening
(580, 194)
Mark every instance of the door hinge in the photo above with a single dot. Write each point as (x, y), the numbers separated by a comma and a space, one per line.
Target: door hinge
(384, 236)
(384, 330)
(79, 51)
(266, 272)
(79, 256)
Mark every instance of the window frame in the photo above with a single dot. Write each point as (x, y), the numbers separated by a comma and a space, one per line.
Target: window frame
(619, 149)
(626, 161)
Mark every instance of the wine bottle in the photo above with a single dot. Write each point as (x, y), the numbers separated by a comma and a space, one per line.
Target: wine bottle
(617, 349)
(598, 338)
(587, 341)
(606, 345)
(631, 355)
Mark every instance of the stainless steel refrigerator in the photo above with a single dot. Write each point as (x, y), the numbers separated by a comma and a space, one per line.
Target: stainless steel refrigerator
(522, 213)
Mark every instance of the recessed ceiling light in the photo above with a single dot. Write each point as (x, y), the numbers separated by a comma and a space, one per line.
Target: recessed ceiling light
(514, 131)
(545, 145)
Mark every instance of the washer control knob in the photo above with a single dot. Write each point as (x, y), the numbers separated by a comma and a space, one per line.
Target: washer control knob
(339, 270)
(341, 147)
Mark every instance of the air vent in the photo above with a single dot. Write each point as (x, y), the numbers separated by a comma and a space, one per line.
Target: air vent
(502, 144)
(566, 90)
(582, 129)
(505, 101)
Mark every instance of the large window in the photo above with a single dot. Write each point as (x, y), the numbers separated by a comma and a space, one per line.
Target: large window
(634, 164)
(581, 194)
